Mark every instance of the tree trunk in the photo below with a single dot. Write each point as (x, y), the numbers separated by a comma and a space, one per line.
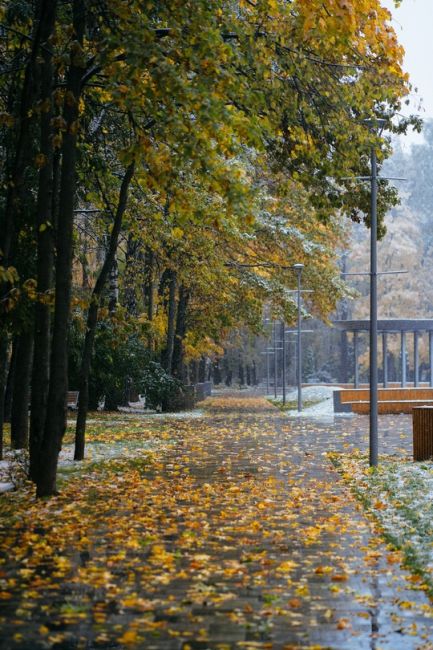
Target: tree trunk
(241, 372)
(113, 298)
(55, 423)
(92, 316)
(10, 381)
(167, 356)
(178, 366)
(129, 275)
(45, 224)
(4, 344)
(228, 372)
(149, 291)
(193, 371)
(202, 370)
(21, 392)
(217, 378)
(23, 147)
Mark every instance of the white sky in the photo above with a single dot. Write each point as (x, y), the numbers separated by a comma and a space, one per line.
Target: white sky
(413, 23)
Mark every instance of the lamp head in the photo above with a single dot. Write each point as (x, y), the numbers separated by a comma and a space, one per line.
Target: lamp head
(376, 124)
(298, 267)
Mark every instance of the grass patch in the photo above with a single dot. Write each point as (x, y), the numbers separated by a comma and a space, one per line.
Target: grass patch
(399, 496)
(292, 405)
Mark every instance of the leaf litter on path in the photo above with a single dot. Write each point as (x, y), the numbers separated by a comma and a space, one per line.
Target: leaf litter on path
(237, 534)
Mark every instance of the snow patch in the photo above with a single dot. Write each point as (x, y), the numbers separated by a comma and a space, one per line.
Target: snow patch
(324, 409)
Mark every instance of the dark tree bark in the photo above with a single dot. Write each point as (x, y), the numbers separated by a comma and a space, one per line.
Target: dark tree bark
(45, 224)
(193, 375)
(202, 370)
(178, 366)
(129, 275)
(248, 376)
(254, 374)
(23, 146)
(92, 316)
(21, 392)
(23, 152)
(149, 290)
(228, 372)
(55, 422)
(113, 292)
(167, 355)
(4, 344)
(217, 376)
(241, 372)
(10, 381)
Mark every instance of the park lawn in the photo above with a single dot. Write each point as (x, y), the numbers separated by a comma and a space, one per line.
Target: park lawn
(399, 495)
(292, 405)
(108, 436)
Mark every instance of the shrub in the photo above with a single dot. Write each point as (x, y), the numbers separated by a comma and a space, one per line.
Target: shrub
(121, 365)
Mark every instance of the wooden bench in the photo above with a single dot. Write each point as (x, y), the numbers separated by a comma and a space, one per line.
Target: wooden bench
(390, 400)
(72, 399)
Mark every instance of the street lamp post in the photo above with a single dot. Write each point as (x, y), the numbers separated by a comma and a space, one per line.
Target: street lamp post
(267, 369)
(374, 446)
(376, 126)
(298, 269)
(283, 345)
(275, 361)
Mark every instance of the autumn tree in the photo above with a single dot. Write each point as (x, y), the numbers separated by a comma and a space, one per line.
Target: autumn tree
(196, 89)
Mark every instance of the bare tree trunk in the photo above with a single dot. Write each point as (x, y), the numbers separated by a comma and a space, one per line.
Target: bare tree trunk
(21, 392)
(178, 366)
(92, 316)
(149, 291)
(241, 372)
(113, 291)
(10, 381)
(202, 370)
(23, 149)
(55, 422)
(15, 168)
(44, 231)
(129, 275)
(167, 356)
(216, 375)
(4, 344)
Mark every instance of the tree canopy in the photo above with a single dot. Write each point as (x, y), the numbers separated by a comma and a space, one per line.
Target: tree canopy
(175, 159)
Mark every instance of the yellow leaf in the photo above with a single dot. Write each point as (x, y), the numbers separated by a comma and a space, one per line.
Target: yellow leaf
(129, 637)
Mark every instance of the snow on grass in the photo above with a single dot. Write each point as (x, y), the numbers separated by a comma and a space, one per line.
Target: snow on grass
(399, 494)
(109, 437)
(116, 417)
(318, 402)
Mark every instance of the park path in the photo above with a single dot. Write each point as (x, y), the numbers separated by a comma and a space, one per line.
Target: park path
(239, 536)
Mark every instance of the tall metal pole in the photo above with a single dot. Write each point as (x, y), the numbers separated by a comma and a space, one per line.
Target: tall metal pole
(283, 344)
(267, 367)
(415, 359)
(430, 349)
(385, 359)
(356, 355)
(373, 315)
(403, 359)
(275, 360)
(298, 268)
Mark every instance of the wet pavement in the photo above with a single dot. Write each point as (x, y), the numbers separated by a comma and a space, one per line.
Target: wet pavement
(255, 542)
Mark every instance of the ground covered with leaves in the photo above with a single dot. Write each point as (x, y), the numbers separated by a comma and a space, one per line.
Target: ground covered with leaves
(225, 531)
(399, 494)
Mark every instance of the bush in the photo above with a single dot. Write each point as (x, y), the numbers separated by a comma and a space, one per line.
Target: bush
(121, 365)
(159, 388)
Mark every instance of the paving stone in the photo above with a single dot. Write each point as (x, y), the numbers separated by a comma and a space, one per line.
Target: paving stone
(312, 522)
